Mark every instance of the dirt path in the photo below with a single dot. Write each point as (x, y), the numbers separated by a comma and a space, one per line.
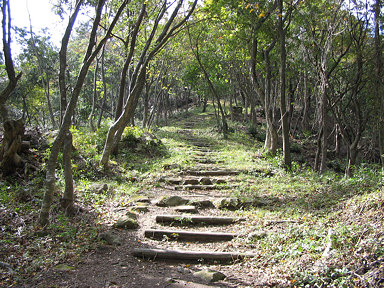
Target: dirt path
(116, 266)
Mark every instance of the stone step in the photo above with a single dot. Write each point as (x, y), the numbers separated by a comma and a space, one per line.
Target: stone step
(205, 150)
(211, 172)
(207, 161)
(208, 220)
(209, 153)
(179, 255)
(189, 235)
(192, 181)
(187, 209)
(202, 145)
(202, 187)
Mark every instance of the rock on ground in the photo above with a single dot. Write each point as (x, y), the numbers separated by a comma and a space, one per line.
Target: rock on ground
(210, 275)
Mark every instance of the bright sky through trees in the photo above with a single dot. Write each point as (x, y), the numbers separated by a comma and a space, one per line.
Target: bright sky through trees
(41, 17)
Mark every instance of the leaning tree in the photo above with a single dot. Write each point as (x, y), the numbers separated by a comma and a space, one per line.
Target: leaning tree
(13, 129)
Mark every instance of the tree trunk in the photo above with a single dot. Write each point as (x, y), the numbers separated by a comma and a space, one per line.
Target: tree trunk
(246, 102)
(224, 125)
(94, 96)
(306, 104)
(117, 128)
(68, 197)
(318, 151)
(104, 88)
(92, 51)
(13, 129)
(378, 89)
(45, 82)
(205, 104)
(146, 106)
(139, 73)
(13, 136)
(63, 60)
(324, 123)
(271, 138)
(351, 161)
(283, 108)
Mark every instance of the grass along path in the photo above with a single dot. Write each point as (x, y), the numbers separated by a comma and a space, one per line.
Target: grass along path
(305, 230)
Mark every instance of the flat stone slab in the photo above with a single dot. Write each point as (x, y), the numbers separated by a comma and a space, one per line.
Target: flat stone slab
(172, 201)
(110, 237)
(205, 181)
(126, 222)
(210, 275)
(203, 204)
(164, 254)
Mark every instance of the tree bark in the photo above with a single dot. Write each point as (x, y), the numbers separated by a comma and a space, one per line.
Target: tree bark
(92, 51)
(11, 146)
(271, 138)
(94, 96)
(379, 80)
(139, 73)
(68, 197)
(13, 129)
(104, 88)
(63, 60)
(44, 81)
(324, 122)
(10, 69)
(224, 125)
(283, 102)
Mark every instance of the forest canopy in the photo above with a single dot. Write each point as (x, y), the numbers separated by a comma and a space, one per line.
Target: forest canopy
(300, 80)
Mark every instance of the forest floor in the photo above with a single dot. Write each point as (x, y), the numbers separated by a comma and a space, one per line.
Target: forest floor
(302, 229)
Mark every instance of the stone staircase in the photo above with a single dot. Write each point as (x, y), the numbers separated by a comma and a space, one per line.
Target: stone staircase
(193, 212)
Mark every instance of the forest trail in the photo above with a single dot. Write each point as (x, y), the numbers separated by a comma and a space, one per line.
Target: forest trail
(189, 231)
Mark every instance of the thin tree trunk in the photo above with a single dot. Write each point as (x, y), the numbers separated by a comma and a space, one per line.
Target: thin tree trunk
(13, 78)
(138, 76)
(63, 60)
(306, 104)
(324, 123)
(90, 55)
(146, 106)
(94, 96)
(283, 108)
(13, 129)
(118, 126)
(318, 151)
(45, 82)
(271, 138)
(68, 197)
(104, 88)
(224, 125)
(379, 80)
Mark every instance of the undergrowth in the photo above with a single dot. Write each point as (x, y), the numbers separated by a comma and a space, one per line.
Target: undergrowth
(332, 237)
